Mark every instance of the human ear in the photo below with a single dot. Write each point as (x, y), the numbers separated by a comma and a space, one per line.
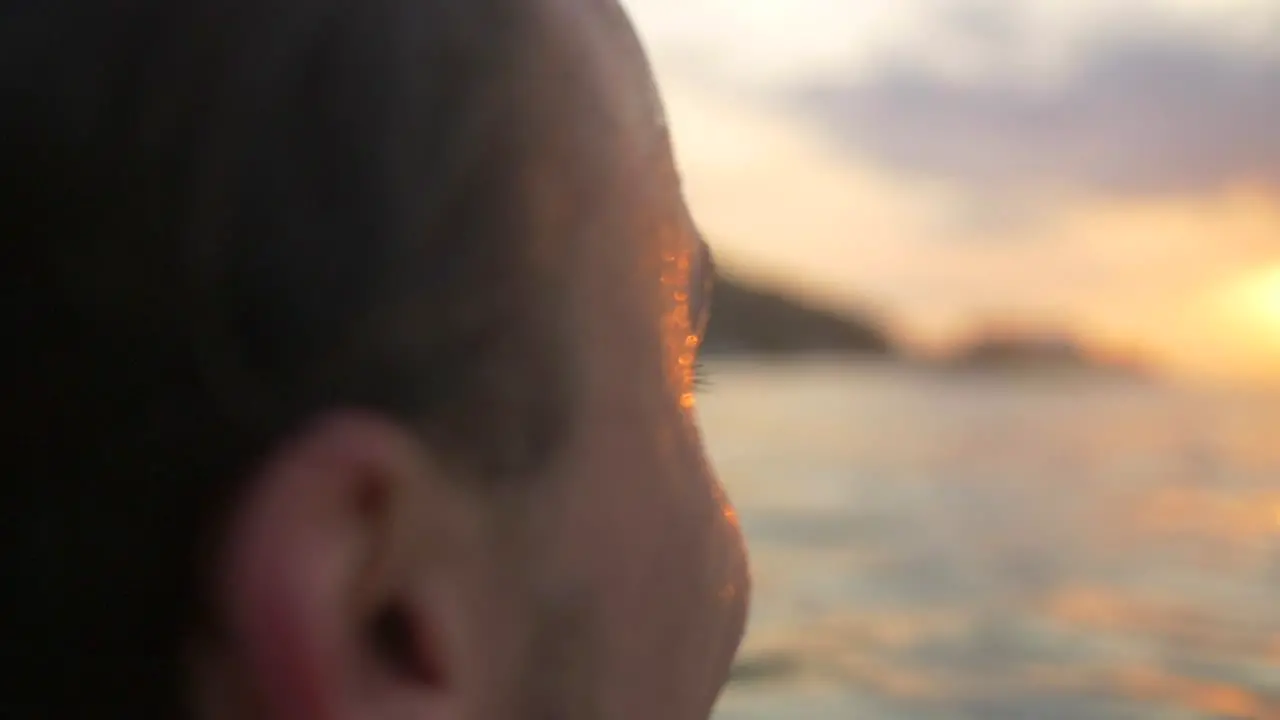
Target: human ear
(345, 582)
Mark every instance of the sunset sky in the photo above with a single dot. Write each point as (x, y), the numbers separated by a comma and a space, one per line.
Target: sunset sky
(1111, 168)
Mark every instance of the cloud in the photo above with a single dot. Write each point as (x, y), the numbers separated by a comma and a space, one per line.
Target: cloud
(1153, 115)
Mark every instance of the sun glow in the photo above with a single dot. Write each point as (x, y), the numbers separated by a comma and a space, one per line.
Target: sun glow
(1242, 326)
(1259, 299)
(1253, 305)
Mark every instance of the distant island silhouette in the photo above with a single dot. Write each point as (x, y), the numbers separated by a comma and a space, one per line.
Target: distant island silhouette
(750, 319)
(1011, 350)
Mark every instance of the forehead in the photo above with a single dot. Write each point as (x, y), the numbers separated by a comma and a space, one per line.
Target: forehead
(621, 123)
(607, 38)
(640, 263)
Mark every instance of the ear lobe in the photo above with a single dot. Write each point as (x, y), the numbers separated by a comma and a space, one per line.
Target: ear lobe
(327, 583)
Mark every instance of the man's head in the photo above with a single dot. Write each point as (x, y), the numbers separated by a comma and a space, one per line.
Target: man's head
(350, 367)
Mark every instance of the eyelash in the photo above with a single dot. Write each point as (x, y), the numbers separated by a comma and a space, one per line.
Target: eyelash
(700, 379)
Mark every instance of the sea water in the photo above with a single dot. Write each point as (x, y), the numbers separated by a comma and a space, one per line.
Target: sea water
(933, 545)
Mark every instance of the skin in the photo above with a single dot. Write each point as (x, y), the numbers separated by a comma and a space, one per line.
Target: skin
(362, 576)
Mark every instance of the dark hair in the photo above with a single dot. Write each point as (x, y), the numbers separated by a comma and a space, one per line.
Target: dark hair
(220, 218)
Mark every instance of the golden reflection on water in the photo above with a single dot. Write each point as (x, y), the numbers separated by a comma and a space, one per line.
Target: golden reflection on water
(878, 660)
(1165, 621)
(1198, 511)
(1214, 698)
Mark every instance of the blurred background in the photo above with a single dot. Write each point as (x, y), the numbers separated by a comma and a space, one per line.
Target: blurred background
(995, 358)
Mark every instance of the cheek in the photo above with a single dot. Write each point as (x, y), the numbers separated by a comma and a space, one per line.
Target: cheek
(657, 544)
